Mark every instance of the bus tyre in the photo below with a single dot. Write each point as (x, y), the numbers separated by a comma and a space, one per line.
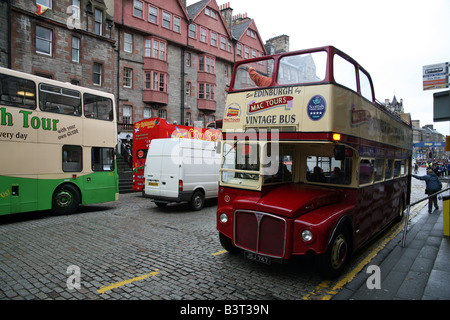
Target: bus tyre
(333, 261)
(197, 201)
(227, 244)
(66, 199)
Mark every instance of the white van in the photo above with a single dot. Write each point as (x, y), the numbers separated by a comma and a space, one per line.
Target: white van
(179, 170)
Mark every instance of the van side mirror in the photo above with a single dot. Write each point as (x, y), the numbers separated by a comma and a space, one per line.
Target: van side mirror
(339, 152)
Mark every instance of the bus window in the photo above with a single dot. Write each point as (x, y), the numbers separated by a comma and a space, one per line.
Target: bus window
(329, 170)
(97, 107)
(59, 100)
(366, 89)
(397, 168)
(365, 171)
(388, 169)
(102, 159)
(277, 163)
(253, 75)
(302, 68)
(72, 158)
(17, 92)
(378, 169)
(243, 158)
(344, 72)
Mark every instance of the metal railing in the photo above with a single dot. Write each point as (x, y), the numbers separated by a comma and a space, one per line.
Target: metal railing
(413, 204)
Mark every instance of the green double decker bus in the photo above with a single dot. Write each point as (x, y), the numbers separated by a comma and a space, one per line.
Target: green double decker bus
(57, 145)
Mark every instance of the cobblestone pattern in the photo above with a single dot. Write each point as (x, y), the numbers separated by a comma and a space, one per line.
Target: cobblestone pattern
(119, 241)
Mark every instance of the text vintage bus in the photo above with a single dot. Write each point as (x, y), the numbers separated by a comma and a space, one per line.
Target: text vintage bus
(311, 163)
(57, 145)
(146, 130)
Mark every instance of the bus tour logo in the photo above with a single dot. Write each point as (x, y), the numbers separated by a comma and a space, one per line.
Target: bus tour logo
(285, 101)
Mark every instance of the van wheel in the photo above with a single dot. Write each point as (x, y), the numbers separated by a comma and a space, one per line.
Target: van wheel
(66, 199)
(197, 200)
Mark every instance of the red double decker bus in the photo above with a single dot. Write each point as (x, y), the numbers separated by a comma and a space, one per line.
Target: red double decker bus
(146, 130)
(311, 162)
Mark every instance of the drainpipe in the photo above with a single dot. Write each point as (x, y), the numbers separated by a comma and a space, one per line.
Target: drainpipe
(8, 8)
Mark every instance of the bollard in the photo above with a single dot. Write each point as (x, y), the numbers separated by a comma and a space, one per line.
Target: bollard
(446, 214)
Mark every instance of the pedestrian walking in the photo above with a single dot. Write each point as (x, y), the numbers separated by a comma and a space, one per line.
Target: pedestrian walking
(433, 185)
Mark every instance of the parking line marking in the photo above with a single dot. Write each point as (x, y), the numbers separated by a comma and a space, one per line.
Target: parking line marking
(219, 252)
(119, 284)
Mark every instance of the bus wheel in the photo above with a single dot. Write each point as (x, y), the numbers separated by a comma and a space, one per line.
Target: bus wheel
(227, 244)
(197, 200)
(66, 199)
(333, 261)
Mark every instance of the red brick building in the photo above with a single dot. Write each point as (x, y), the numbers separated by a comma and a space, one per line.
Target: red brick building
(160, 58)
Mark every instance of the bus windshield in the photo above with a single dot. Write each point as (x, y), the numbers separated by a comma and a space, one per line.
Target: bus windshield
(293, 69)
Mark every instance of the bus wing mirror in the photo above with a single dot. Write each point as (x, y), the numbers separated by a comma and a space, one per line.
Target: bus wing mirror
(339, 152)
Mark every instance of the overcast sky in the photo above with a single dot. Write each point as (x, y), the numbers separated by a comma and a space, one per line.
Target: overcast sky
(391, 39)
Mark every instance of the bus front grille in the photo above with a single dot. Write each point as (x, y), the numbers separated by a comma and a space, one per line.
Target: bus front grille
(261, 233)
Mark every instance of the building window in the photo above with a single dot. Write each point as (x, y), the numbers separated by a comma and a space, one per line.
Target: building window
(223, 43)
(155, 80)
(43, 40)
(247, 53)
(138, 6)
(211, 13)
(98, 22)
(152, 14)
(148, 48)
(127, 114)
(188, 119)
(97, 74)
(206, 64)
(206, 91)
(188, 59)
(76, 10)
(46, 3)
(188, 88)
(127, 42)
(155, 48)
(239, 50)
(166, 20)
(214, 39)
(162, 114)
(75, 49)
(192, 31)
(176, 24)
(147, 113)
(202, 34)
(128, 78)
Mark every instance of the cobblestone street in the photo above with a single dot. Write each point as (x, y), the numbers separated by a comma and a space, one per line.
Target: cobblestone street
(131, 249)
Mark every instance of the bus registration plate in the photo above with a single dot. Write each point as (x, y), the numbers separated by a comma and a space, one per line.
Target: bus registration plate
(257, 257)
(153, 184)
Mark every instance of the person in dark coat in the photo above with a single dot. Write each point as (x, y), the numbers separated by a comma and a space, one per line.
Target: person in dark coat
(433, 185)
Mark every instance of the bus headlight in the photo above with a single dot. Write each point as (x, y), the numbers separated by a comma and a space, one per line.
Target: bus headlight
(307, 235)
(223, 218)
